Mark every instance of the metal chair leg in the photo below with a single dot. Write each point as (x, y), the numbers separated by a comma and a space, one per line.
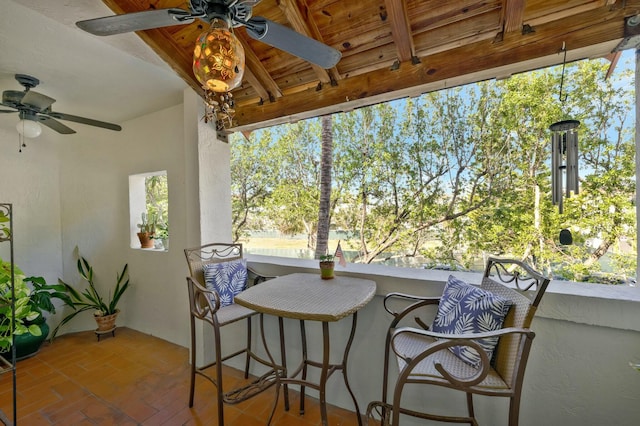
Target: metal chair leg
(248, 353)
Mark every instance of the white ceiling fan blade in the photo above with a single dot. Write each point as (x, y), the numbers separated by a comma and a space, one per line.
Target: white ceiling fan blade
(55, 125)
(37, 100)
(84, 120)
(293, 42)
(136, 21)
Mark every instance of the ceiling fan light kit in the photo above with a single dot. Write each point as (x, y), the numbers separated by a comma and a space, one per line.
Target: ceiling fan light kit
(218, 58)
(28, 128)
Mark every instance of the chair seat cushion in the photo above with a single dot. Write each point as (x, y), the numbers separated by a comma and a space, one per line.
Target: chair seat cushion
(226, 278)
(232, 313)
(466, 309)
(410, 345)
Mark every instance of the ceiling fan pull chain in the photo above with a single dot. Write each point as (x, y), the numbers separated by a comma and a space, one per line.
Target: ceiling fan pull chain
(21, 143)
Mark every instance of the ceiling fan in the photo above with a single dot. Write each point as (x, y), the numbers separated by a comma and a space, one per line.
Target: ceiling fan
(235, 13)
(34, 106)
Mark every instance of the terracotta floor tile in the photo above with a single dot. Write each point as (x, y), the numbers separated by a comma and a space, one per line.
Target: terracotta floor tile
(136, 379)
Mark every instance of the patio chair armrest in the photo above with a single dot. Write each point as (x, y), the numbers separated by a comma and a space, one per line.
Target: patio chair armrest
(467, 336)
(419, 301)
(204, 301)
(445, 341)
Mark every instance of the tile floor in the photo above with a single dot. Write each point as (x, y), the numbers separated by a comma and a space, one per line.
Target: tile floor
(134, 379)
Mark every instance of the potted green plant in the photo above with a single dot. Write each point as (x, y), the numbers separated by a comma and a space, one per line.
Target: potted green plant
(327, 265)
(41, 301)
(105, 310)
(147, 229)
(29, 326)
(42, 295)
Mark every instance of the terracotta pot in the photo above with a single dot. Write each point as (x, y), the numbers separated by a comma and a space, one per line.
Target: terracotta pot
(326, 270)
(106, 322)
(145, 239)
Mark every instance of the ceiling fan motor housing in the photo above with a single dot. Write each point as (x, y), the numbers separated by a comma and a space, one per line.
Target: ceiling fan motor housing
(27, 81)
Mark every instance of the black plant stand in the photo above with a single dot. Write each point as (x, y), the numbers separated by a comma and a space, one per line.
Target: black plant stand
(8, 366)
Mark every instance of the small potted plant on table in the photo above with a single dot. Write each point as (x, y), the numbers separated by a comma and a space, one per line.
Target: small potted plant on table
(327, 265)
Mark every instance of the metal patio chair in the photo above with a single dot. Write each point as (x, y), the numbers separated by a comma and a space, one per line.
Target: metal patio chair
(424, 357)
(206, 304)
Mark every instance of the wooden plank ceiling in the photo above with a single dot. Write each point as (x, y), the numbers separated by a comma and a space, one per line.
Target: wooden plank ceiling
(392, 48)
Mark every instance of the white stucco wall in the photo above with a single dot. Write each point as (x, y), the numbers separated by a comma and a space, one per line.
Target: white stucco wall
(30, 181)
(95, 199)
(72, 191)
(95, 204)
(94, 196)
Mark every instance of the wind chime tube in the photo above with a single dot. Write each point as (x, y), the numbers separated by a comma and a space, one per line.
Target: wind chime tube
(554, 168)
(570, 167)
(559, 169)
(558, 165)
(572, 162)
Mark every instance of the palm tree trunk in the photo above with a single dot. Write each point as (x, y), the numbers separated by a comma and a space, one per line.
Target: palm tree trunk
(324, 211)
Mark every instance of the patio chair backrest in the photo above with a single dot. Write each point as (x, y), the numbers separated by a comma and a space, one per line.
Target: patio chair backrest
(518, 282)
(197, 257)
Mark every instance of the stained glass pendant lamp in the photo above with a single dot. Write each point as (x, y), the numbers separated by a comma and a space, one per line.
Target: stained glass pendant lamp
(218, 58)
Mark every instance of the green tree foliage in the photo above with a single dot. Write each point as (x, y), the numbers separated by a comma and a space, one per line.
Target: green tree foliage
(412, 169)
(523, 223)
(275, 177)
(455, 175)
(157, 193)
(254, 171)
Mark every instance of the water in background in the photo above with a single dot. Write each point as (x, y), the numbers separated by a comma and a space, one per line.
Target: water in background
(272, 243)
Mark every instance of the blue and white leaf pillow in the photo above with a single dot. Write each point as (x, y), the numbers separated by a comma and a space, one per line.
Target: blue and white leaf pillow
(464, 309)
(227, 278)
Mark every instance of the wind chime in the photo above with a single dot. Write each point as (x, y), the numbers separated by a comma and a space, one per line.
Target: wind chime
(564, 160)
(564, 152)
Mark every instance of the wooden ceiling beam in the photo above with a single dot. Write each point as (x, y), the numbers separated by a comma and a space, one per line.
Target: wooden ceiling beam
(264, 84)
(485, 35)
(305, 26)
(255, 83)
(400, 29)
(436, 71)
(562, 13)
(454, 40)
(513, 15)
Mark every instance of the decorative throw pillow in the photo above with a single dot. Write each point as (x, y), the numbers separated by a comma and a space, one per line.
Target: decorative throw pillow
(465, 309)
(227, 278)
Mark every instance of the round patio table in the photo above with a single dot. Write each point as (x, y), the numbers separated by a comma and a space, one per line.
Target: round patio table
(307, 297)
